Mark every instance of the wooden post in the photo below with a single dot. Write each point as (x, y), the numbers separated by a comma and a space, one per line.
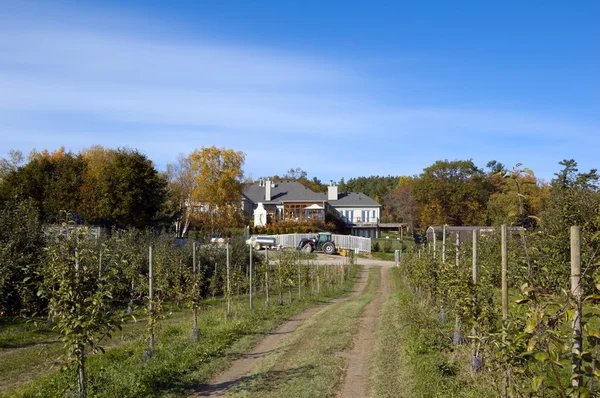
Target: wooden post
(457, 243)
(195, 282)
(299, 279)
(475, 255)
(81, 384)
(434, 246)
(228, 314)
(504, 249)
(444, 244)
(266, 277)
(100, 266)
(151, 298)
(577, 293)
(458, 338)
(318, 281)
(250, 277)
(475, 360)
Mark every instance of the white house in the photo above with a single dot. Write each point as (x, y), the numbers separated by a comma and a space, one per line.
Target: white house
(292, 201)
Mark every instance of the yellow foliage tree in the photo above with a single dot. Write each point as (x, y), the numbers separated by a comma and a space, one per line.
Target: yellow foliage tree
(218, 185)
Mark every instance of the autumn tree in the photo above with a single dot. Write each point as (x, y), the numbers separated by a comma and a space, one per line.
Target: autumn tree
(519, 198)
(181, 185)
(121, 187)
(452, 192)
(11, 164)
(301, 176)
(574, 199)
(400, 204)
(375, 187)
(51, 179)
(218, 187)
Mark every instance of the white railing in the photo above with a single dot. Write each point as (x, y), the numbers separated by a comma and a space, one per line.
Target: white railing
(342, 241)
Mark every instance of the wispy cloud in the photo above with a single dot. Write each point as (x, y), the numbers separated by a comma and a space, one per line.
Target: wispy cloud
(77, 86)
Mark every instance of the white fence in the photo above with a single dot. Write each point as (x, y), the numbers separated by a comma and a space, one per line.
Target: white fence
(342, 241)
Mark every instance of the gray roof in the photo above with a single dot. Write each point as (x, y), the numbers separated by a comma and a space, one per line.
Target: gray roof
(283, 191)
(293, 191)
(351, 199)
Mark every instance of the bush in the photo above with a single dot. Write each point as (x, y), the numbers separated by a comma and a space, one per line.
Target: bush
(376, 247)
(387, 246)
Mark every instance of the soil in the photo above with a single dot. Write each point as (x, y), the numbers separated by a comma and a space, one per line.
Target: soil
(355, 382)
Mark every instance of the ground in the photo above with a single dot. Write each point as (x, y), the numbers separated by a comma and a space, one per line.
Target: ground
(281, 352)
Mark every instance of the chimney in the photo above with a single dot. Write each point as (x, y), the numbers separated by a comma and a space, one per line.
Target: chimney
(332, 192)
(268, 191)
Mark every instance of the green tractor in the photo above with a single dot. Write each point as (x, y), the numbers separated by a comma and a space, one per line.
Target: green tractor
(321, 242)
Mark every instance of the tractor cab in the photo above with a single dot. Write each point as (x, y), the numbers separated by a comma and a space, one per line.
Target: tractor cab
(323, 242)
(322, 238)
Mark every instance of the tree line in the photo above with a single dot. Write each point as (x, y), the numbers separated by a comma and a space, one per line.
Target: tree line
(123, 188)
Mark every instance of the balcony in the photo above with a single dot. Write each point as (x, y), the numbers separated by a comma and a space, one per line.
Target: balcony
(363, 222)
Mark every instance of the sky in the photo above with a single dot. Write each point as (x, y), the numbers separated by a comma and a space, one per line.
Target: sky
(340, 89)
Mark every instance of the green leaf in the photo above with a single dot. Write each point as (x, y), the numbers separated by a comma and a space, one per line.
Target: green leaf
(536, 382)
(541, 356)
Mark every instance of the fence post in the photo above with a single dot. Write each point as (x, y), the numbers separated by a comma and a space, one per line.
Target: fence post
(299, 279)
(318, 281)
(458, 338)
(476, 361)
(250, 277)
(151, 298)
(444, 244)
(267, 277)
(195, 333)
(576, 292)
(228, 314)
(434, 246)
(504, 249)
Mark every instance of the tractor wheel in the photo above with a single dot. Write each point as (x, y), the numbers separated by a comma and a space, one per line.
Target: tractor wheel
(307, 248)
(257, 246)
(329, 248)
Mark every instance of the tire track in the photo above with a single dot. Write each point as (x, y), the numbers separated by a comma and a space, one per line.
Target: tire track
(355, 382)
(241, 367)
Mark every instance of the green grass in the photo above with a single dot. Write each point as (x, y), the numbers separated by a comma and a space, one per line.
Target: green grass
(177, 365)
(39, 349)
(413, 354)
(383, 256)
(17, 332)
(309, 364)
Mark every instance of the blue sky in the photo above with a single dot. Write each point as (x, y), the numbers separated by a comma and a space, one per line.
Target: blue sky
(339, 89)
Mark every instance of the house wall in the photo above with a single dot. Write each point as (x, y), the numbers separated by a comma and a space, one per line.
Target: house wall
(366, 232)
(356, 215)
(248, 208)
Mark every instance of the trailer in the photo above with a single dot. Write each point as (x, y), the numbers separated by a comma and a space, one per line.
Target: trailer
(261, 241)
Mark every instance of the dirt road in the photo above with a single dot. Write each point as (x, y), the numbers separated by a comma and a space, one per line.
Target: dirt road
(354, 384)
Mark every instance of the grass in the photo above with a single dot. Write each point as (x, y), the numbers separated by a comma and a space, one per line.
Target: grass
(16, 332)
(309, 364)
(177, 365)
(413, 355)
(38, 350)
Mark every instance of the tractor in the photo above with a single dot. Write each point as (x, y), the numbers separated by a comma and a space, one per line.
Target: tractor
(322, 242)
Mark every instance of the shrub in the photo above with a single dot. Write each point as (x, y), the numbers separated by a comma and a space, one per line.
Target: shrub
(387, 246)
